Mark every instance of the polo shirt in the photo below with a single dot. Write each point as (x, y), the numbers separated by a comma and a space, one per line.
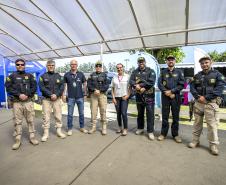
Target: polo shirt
(74, 84)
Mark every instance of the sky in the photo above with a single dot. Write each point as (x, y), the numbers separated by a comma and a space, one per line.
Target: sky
(131, 60)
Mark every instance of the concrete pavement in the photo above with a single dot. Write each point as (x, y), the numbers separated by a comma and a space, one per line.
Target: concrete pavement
(108, 160)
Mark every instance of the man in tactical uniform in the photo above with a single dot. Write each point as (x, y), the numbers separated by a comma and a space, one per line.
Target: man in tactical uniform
(207, 87)
(142, 81)
(52, 86)
(98, 85)
(171, 82)
(21, 87)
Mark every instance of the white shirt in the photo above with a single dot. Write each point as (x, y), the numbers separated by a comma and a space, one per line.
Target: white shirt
(120, 85)
(190, 97)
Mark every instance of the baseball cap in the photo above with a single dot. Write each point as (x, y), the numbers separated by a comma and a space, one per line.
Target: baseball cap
(170, 57)
(141, 59)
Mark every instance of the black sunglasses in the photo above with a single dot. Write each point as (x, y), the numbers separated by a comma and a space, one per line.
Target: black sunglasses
(19, 64)
(98, 65)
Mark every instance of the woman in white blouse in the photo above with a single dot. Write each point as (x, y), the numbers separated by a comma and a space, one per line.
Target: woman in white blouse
(120, 95)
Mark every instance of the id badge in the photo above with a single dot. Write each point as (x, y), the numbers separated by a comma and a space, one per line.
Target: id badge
(74, 84)
(119, 86)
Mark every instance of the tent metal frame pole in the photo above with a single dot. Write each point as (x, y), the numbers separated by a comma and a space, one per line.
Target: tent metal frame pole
(29, 29)
(34, 4)
(1, 4)
(4, 69)
(126, 50)
(186, 21)
(9, 49)
(6, 33)
(101, 56)
(135, 37)
(93, 23)
(136, 21)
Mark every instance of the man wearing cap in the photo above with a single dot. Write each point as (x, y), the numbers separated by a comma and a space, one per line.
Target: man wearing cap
(21, 87)
(98, 85)
(207, 87)
(142, 81)
(170, 83)
(52, 86)
(75, 83)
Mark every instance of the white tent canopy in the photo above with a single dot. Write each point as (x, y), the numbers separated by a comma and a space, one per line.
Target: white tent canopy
(41, 29)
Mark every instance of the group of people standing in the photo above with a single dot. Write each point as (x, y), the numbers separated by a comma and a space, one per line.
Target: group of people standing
(206, 87)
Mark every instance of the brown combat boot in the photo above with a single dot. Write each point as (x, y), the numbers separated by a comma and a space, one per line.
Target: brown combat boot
(45, 135)
(17, 143)
(60, 133)
(104, 129)
(33, 141)
(214, 150)
(93, 129)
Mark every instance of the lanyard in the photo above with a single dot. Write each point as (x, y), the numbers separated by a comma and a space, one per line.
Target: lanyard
(120, 78)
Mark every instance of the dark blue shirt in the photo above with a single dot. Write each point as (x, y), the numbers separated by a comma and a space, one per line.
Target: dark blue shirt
(171, 80)
(74, 84)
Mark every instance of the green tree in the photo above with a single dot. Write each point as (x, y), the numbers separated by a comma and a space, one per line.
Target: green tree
(131, 69)
(63, 69)
(86, 67)
(218, 57)
(112, 67)
(161, 54)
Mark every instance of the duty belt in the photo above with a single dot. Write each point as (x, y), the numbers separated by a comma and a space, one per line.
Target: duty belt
(217, 100)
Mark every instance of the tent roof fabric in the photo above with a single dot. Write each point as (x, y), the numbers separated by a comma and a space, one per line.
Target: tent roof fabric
(39, 29)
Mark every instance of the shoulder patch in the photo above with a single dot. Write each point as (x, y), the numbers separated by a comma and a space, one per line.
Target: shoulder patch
(8, 79)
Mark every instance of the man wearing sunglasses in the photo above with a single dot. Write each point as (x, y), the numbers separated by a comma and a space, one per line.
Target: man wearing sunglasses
(75, 87)
(142, 81)
(98, 85)
(52, 86)
(21, 86)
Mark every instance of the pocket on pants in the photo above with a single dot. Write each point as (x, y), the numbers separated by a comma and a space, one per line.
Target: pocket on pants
(215, 108)
(197, 111)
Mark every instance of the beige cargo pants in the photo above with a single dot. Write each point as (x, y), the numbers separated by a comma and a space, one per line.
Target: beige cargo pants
(47, 108)
(101, 103)
(21, 110)
(210, 111)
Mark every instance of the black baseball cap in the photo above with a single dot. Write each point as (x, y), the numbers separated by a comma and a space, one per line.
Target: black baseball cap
(141, 59)
(170, 57)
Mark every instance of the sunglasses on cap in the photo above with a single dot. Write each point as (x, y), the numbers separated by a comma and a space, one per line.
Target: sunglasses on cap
(20, 64)
(98, 65)
(141, 61)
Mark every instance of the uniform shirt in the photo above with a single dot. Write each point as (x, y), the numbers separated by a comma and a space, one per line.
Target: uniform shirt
(120, 84)
(98, 81)
(210, 85)
(51, 83)
(21, 83)
(74, 84)
(171, 80)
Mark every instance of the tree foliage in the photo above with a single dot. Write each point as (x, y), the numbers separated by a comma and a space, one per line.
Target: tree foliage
(63, 69)
(161, 54)
(218, 57)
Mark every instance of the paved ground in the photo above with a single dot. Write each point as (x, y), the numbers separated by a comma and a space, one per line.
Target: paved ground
(108, 160)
